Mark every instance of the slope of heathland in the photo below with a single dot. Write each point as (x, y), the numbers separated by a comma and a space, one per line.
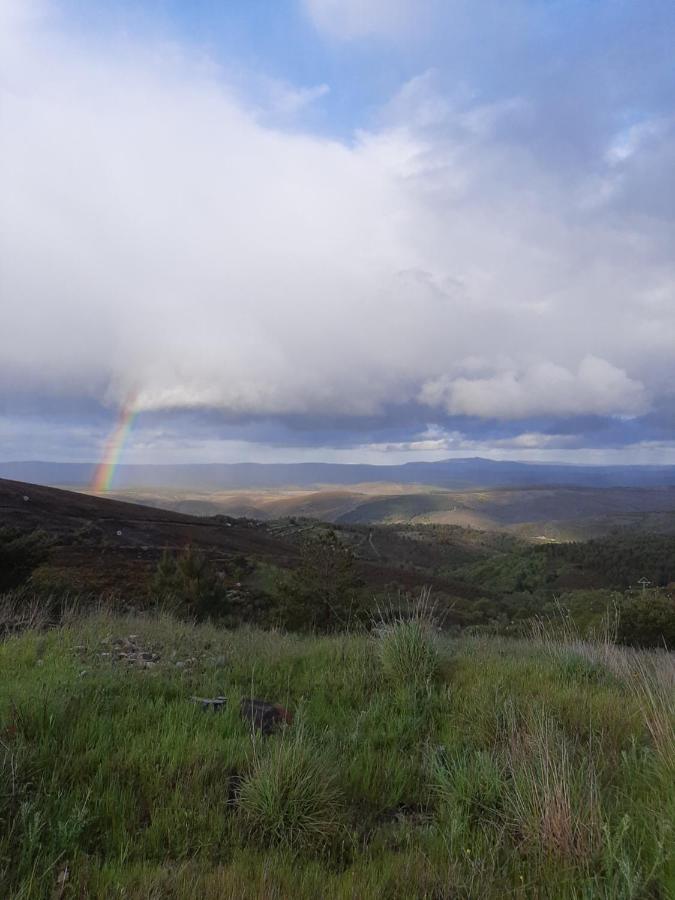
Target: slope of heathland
(61, 543)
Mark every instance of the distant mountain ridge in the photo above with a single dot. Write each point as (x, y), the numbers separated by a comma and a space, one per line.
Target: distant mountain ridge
(474, 472)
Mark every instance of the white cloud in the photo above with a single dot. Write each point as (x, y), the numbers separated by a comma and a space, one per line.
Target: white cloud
(541, 389)
(156, 234)
(349, 19)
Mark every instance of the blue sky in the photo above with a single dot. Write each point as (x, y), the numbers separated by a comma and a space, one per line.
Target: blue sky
(338, 229)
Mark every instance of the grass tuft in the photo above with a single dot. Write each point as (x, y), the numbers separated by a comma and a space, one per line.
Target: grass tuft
(551, 796)
(288, 798)
(407, 644)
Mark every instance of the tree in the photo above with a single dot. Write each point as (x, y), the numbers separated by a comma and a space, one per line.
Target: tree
(188, 581)
(324, 592)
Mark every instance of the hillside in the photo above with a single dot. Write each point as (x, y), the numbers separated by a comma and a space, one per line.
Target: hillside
(451, 769)
(557, 513)
(487, 579)
(99, 544)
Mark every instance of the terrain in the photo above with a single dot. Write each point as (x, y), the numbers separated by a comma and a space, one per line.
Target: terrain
(478, 728)
(536, 513)
(88, 545)
(99, 544)
(415, 766)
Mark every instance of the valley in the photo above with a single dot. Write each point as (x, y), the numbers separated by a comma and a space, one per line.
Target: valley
(532, 512)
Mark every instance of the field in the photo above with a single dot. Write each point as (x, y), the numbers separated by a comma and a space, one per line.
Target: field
(415, 766)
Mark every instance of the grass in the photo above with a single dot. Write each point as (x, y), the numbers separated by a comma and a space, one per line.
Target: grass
(529, 768)
(288, 797)
(406, 644)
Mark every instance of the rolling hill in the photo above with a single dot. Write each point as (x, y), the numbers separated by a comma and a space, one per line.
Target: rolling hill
(554, 513)
(100, 544)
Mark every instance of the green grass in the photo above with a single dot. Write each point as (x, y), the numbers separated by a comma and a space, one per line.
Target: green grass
(288, 797)
(520, 769)
(407, 645)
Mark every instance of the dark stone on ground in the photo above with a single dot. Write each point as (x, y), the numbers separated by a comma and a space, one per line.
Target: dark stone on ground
(263, 716)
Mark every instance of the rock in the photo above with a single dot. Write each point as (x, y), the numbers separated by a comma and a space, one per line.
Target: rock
(213, 703)
(263, 716)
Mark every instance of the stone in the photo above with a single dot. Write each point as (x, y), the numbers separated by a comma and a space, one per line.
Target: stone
(263, 716)
(215, 704)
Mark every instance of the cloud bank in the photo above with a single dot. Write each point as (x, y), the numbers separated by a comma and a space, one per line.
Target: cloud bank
(162, 236)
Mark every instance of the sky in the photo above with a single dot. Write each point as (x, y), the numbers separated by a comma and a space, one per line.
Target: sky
(341, 230)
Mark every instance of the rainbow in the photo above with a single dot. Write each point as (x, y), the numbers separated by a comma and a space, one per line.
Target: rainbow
(105, 470)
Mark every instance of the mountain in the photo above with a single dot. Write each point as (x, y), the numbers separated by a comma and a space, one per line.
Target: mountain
(448, 473)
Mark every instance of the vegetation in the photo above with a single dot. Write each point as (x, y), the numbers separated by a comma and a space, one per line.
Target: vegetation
(514, 738)
(647, 619)
(618, 561)
(188, 583)
(522, 768)
(288, 797)
(20, 553)
(407, 644)
(323, 592)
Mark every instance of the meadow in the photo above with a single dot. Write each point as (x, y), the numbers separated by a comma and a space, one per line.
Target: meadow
(416, 765)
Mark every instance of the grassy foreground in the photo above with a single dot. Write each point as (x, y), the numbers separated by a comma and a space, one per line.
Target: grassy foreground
(416, 766)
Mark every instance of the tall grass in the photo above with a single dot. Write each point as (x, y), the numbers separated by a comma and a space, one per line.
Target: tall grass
(552, 797)
(648, 674)
(414, 768)
(407, 643)
(289, 798)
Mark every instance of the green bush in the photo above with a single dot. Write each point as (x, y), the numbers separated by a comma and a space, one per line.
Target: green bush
(20, 553)
(323, 593)
(188, 583)
(470, 785)
(648, 620)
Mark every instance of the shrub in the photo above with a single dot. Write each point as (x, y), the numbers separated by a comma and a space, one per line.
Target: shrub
(288, 798)
(648, 620)
(188, 582)
(20, 553)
